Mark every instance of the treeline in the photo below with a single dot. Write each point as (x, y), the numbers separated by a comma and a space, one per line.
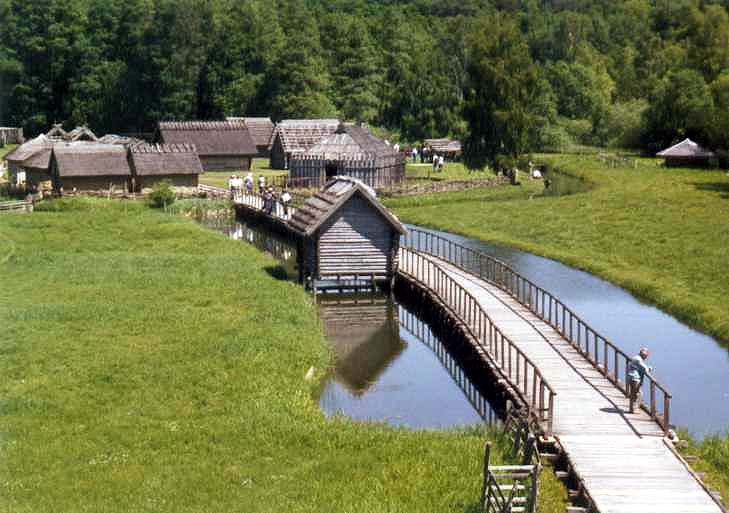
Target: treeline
(514, 74)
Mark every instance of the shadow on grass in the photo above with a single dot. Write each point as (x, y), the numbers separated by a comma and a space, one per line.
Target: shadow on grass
(720, 187)
(278, 272)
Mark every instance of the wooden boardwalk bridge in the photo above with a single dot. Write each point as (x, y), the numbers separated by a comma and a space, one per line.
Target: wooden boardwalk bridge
(569, 379)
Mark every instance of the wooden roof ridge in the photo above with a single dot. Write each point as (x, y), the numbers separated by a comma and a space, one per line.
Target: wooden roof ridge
(163, 148)
(202, 125)
(355, 187)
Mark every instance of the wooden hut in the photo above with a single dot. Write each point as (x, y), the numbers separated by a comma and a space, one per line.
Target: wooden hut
(346, 234)
(221, 145)
(297, 136)
(29, 163)
(687, 153)
(84, 166)
(151, 163)
(351, 151)
(449, 148)
(261, 130)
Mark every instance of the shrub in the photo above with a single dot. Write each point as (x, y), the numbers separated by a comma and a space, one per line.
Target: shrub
(162, 195)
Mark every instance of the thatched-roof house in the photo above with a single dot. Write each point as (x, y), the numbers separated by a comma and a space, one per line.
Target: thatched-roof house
(687, 153)
(351, 151)
(119, 139)
(221, 145)
(89, 166)
(29, 163)
(296, 136)
(261, 130)
(449, 148)
(177, 163)
(347, 234)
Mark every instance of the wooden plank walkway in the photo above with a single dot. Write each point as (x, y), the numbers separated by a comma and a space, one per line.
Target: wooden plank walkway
(622, 459)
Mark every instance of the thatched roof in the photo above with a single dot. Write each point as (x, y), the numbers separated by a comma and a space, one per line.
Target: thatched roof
(351, 142)
(119, 139)
(323, 204)
(57, 132)
(443, 145)
(299, 135)
(35, 153)
(90, 159)
(261, 129)
(81, 133)
(687, 149)
(164, 159)
(211, 138)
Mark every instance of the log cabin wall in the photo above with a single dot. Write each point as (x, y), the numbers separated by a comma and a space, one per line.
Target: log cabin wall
(356, 240)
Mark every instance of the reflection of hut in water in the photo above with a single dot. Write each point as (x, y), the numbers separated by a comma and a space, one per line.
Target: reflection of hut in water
(366, 338)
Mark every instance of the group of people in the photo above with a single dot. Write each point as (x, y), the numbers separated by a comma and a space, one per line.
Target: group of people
(236, 184)
(426, 156)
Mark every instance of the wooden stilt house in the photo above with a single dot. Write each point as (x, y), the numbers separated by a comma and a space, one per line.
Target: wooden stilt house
(351, 151)
(347, 234)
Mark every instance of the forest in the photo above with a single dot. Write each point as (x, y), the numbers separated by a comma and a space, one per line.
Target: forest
(508, 76)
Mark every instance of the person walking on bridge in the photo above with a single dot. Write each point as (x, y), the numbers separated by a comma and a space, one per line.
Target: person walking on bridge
(637, 371)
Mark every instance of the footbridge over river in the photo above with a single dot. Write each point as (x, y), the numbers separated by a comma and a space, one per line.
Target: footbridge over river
(569, 378)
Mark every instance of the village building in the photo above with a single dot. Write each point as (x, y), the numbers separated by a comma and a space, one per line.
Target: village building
(29, 163)
(11, 135)
(84, 166)
(221, 145)
(261, 130)
(178, 164)
(347, 234)
(687, 153)
(297, 136)
(351, 151)
(450, 149)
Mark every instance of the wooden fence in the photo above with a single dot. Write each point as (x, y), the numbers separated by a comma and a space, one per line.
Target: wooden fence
(314, 171)
(605, 357)
(16, 206)
(520, 371)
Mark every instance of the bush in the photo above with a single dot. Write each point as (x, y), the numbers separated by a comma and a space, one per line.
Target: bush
(162, 195)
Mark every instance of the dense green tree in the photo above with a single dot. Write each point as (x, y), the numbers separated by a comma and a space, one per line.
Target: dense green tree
(501, 92)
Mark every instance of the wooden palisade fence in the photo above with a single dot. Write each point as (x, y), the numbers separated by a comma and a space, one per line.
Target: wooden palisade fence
(605, 357)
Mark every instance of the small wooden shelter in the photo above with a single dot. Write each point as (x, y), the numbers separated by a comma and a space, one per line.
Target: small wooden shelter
(221, 145)
(151, 163)
(449, 148)
(687, 153)
(297, 136)
(29, 163)
(86, 166)
(346, 234)
(261, 130)
(351, 151)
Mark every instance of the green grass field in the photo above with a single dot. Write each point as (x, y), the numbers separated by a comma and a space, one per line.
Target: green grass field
(713, 459)
(151, 365)
(220, 178)
(661, 233)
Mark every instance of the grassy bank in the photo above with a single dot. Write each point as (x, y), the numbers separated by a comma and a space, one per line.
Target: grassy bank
(151, 365)
(661, 233)
(713, 459)
(258, 167)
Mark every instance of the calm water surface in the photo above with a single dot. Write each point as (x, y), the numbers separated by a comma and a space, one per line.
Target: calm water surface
(391, 367)
(693, 366)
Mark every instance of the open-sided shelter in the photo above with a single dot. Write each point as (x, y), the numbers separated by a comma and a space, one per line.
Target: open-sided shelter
(87, 166)
(351, 151)
(448, 148)
(221, 145)
(179, 164)
(347, 234)
(261, 130)
(297, 136)
(687, 153)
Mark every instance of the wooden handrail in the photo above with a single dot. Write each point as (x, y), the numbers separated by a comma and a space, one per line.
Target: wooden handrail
(606, 357)
(516, 366)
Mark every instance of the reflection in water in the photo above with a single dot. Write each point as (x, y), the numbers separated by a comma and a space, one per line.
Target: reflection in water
(386, 370)
(561, 184)
(390, 366)
(693, 366)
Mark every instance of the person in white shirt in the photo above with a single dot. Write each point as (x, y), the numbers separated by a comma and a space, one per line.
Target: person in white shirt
(249, 182)
(414, 154)
(441, 163)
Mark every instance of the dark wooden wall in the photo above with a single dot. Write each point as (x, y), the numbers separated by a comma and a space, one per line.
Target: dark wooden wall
(225, 163)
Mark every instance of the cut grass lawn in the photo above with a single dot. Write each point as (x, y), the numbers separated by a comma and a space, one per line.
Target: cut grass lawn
(151, 365)
(661, 233)
(259, 167)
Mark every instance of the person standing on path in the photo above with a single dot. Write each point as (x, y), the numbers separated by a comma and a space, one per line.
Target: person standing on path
(637, 371)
